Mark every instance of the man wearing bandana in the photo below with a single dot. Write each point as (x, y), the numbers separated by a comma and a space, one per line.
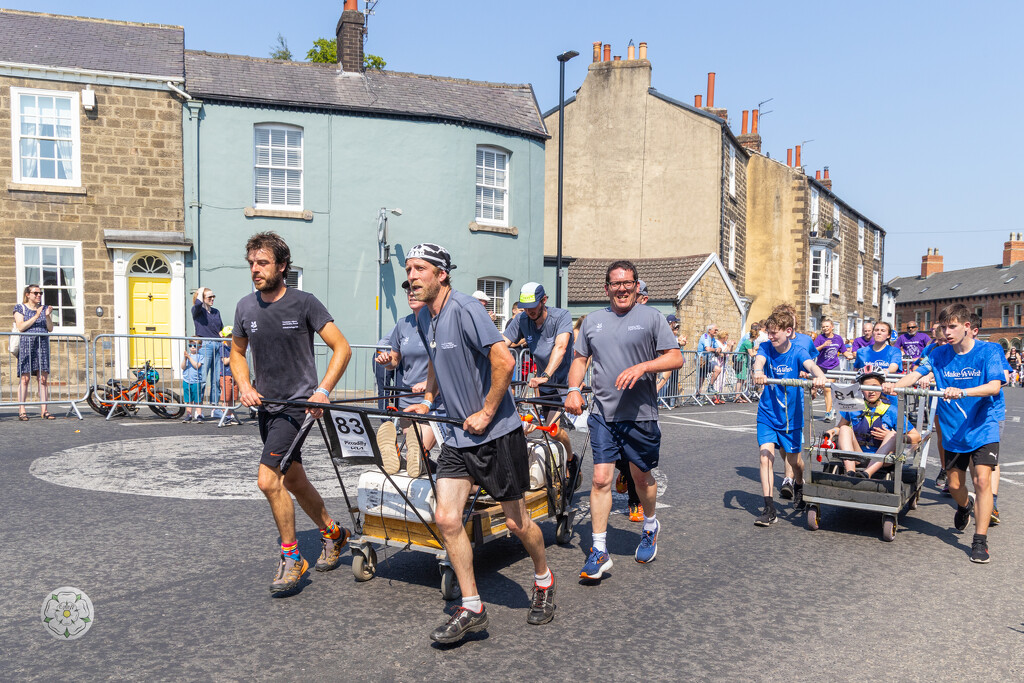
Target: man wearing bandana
(470, 364)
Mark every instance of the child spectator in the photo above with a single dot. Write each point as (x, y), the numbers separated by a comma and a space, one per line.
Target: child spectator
(781, 409)
(190, 366)
(228, 390)
(970, 375)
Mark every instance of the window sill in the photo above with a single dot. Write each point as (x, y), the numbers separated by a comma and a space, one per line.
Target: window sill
(251, 212)
(51, 189)
(496, 229)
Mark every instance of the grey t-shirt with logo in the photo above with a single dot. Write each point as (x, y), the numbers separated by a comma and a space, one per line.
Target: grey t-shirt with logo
(464, 333)
(280, 337)
(542, 342)
(406, 340)
(616, 342)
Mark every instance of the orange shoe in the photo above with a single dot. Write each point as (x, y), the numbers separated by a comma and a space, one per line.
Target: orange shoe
(636, 513)
(620, 484)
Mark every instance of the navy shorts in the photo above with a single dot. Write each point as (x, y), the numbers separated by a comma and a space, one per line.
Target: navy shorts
(638, 441)
(788, 442)
(278, 430)
(986, 455)
(501, 466)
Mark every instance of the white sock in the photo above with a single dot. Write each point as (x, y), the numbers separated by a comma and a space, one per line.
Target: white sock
(544, 581)
(600, 543)
(786, 480)
(472, 603)
(650, 523)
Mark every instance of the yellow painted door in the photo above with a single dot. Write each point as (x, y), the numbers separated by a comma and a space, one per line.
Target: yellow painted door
(150, 314)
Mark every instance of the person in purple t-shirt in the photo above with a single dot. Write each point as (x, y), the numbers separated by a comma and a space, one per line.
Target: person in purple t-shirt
(828, 344)
(912, 342)
(860, 342)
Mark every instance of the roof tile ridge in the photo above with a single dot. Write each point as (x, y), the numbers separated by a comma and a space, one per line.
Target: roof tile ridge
(95, 20)
(452, 79)
(248, 58)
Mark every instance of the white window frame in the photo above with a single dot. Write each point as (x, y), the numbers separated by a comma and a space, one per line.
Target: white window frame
(878, 244)
(732, 246)
(498, 305)
(79, 288)
(835, 272)
(732, 171)
(860, 282)
(860, 235)
(837, 221)
(874, 288)
(480, 185)
(815, 213)
(819, 255)
(1004, 319)
(297, 276)
(257, 166)
(16, 135)
(852, 326)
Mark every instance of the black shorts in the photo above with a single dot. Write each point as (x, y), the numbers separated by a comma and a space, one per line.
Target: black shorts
(278, 430)
(986, 455)
(501, 466)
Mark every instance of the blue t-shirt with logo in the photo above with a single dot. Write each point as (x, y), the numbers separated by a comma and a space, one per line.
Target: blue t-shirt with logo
(862, 422)
(805, 340)
(971, 422)
(782, 408)
(870, 360)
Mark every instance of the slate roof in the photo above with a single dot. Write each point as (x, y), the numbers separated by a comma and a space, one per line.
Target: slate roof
(959, 284)
(664, 277)
(96, 44)
(236, 78)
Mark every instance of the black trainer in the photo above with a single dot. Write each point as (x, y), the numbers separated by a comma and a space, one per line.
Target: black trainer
(979, 550)
(786, 490)
(459, 624)
(542, 606)
(767, 518)
(798, 499)
(573, 473)
(963, 515)
(940, 479)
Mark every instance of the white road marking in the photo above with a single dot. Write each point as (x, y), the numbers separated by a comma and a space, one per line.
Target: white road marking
(1011, 464)
(1003, 479)
(716, 412)
(745, 429)
(620, 501)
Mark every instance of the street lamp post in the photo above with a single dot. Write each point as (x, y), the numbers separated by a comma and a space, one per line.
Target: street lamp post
(383, 258)
(562, 59)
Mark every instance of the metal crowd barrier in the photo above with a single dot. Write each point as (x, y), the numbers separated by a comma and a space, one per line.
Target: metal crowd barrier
(68, 378)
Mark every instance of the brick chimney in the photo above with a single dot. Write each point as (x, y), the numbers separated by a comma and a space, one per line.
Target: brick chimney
(753, 140)
(931, 263)
(1013, 250)
(827, 184)
(350, 30)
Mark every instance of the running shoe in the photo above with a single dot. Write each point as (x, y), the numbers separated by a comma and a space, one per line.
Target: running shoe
(945, 488)
(798, 499)
(830, 416)
(636, 513)
(767, 518)
(460, 624)
(963, 515)
(542, 606)
(198, 418)
(289, 574)
(620, 484)
(597, 564)
(330, 553)
(979, 550)
(648, 548)
(940, 479)
(786, 490)
(994, 519)
(413, 455)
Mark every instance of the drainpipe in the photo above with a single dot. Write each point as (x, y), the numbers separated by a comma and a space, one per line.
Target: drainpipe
(195, 108)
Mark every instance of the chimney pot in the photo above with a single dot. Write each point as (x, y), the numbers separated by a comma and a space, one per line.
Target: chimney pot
(630, 52)
(753, 121)
(711, 89)
(608, 53)
(798, 156)
(597, 51)
(826, 173)
(1013, 250)
(817, 175)
(351, 5)
(743, 128)
(697, 101)
(789, 157)
(616, 58)
(643, 50)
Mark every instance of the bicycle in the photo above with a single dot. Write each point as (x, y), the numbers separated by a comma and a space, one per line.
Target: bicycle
(101, 398)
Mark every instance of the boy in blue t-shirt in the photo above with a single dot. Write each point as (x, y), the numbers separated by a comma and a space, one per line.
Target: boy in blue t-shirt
(780, 412)
(190, 379)
(970, 375)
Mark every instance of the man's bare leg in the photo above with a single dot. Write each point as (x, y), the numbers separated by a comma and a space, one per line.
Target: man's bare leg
(519, 523)
(601, 496)
(452, 493)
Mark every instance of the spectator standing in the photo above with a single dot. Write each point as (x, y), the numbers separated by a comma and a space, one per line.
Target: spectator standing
(208, 324)
(705, 356)
(33, 350)
(191, 387)
(911, 343)
(828, 344)
(860, 342)
(228, 390)
(485, 301)
(746, 350)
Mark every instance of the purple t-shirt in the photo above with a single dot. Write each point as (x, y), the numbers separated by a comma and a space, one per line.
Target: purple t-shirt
(911, 346)
(859, 343)
(828, 357)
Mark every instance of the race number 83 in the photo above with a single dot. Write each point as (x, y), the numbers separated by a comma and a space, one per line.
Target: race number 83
(349, 424)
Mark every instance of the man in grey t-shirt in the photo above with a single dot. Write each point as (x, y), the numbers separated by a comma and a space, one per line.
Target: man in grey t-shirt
(472, 367)
(277, 324)
(629, 345)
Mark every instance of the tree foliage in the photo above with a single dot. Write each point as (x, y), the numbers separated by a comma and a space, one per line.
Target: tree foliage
(280, 50)
(325, 51)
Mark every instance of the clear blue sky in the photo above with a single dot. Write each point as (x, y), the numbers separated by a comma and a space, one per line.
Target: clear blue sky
(912, 105)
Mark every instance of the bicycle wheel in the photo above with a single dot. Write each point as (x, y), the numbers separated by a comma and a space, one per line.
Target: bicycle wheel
(164, 396)
(101, 399)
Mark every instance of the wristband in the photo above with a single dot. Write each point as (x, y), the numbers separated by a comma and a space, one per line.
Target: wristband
(428, 404)
(321, 390)
(576, 389)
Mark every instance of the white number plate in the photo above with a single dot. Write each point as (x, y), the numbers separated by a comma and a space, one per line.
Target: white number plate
(351, 431)
(847, 397)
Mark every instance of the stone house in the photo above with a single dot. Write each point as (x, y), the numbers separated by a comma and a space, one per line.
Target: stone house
(647, 176)
(995, 292)
(91, 206)
(814, 250)
(323, 153)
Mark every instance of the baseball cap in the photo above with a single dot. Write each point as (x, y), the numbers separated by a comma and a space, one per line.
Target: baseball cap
(641, 288)
(671, 319)
(480, 295)
(226, 331)
(531, 294)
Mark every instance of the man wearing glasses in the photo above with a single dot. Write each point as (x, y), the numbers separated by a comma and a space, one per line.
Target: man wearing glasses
(208, 326)
(629, 344)
(911, 343)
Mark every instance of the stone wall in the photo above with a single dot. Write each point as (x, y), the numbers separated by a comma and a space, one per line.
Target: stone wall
(709, 302)
(734, 208)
